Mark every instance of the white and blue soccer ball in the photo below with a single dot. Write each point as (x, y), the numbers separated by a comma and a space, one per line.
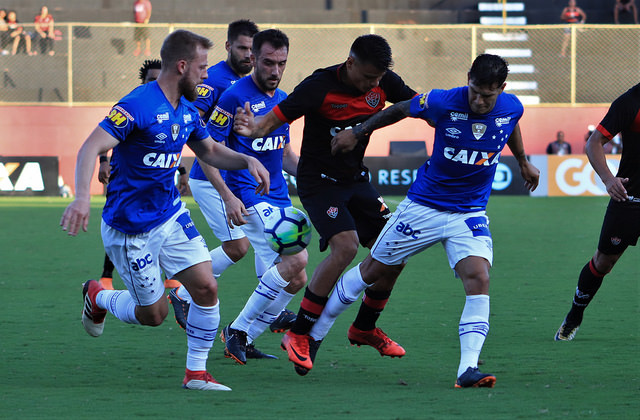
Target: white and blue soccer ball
(287, 230)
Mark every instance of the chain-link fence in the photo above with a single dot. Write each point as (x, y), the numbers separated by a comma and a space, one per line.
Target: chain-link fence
(95, 63)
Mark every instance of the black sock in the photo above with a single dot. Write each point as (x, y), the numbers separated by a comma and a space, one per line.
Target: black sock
(310, 309)
(371, 307)
(589, 282)
(107, 269)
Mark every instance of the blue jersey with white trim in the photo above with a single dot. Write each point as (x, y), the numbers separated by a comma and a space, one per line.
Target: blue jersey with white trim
(268, 150)
(219, 77)
(466, 149)
(141, 193)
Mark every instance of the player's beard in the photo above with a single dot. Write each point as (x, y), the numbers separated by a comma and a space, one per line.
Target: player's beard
(241, 67)
(187, 89)
(268, 84)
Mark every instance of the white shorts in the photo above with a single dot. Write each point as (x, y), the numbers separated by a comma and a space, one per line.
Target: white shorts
(254, 229)
(414, 227)
(171, 247)
(214, 211)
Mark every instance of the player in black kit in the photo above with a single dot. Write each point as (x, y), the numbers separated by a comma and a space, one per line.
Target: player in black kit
(344, 207)
(621, 225)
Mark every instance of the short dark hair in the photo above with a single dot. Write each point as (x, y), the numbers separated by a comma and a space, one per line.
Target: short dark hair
(372, 49)
(181, 45)
(488, 70)
(275, 37)
(154, 64)
(241, 27)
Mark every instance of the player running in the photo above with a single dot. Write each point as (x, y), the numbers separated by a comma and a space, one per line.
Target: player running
(284, 275)
(146, 228)
(621, 225)
(447, 201)
(342, 204)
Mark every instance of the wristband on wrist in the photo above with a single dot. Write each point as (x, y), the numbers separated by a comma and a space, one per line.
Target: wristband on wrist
(182, 170)
(103, 159)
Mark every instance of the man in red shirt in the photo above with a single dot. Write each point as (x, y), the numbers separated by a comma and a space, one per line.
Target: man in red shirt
(142, 14)
(44, 28)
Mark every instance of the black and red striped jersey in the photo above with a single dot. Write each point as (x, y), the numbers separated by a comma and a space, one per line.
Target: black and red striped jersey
(624, 117)
(329, 106)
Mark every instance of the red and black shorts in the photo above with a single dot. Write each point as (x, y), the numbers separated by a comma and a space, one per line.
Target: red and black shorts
(620, 228)
(335, 207)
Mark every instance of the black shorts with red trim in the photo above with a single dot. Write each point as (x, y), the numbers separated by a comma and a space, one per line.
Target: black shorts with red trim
(620, 228)
(335, 207)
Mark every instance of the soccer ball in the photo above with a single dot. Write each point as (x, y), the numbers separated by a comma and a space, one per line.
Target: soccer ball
(287, 230)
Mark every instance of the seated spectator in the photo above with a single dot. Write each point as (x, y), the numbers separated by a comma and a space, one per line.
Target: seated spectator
(21, 38)
(4, 33)
(625, 6)
(45, 31)
(559, 146)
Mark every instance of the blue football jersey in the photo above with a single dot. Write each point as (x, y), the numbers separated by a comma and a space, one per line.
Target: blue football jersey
(141, 194)
(219, 77)
(268, 150)
(466, 149)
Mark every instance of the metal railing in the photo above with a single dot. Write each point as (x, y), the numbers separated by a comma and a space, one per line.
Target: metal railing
(94, 63)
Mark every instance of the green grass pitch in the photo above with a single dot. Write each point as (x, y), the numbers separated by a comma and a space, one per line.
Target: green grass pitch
(52, 369)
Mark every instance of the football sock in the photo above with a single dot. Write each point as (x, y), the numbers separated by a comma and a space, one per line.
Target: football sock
(473, 329)
(310, 309)
(269, 315)
(107, 268)
(220, 261)
(269, 287)
(119, 303)
(202, 327)
(346, 291)
(589, 282)
(372, 305)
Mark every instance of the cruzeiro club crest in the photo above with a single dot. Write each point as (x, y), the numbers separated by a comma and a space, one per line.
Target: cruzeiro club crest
(478, 130)
(175, 130)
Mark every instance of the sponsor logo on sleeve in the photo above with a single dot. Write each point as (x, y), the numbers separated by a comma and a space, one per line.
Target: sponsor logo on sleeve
(119, 116)
(220, 118)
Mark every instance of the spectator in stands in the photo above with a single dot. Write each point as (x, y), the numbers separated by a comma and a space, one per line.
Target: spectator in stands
(559, 146)
(141, 15)
(20, 37)
(625, 6)
(4, 32)
(44, 29)
(570, 14)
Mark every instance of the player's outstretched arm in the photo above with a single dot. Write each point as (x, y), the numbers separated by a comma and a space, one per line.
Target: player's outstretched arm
(76, 215)
(597, 158)
(529, 172)
(346, 140)
(220, 156)
(247, 124)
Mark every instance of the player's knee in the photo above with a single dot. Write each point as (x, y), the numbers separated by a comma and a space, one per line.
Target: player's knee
(205, 294)
(297, 282)
(604, 263)
(344, 251)
(236, 249)
(294, 264)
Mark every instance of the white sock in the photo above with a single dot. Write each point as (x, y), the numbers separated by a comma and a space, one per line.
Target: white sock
(269, 287)
(347, 290)
(202, 327)
(220, 261)
(473, 329)
(119, 303)
(269, 315)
